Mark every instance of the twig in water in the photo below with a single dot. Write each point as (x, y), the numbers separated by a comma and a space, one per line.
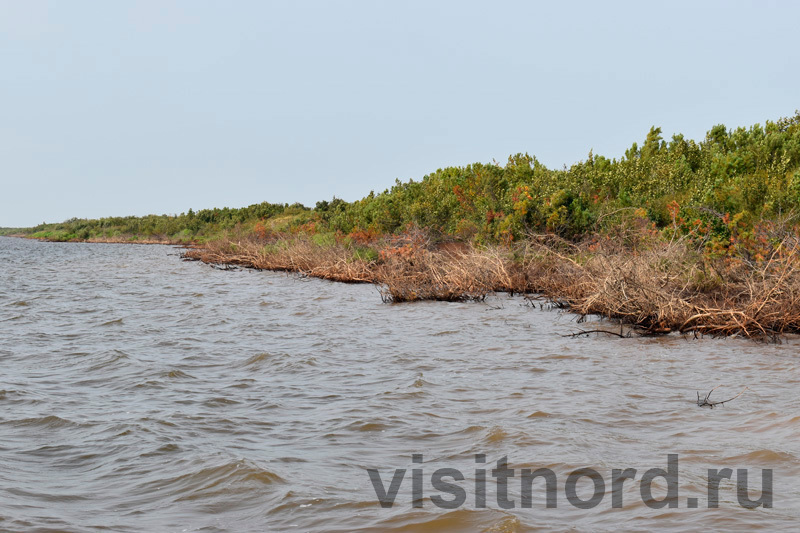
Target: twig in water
(705, 403)
(583, 332)
(224, 266)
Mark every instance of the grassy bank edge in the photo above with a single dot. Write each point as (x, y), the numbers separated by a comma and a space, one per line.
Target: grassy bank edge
(653, 285)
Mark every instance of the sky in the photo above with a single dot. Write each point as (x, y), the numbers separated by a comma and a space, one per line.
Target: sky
(139, 107)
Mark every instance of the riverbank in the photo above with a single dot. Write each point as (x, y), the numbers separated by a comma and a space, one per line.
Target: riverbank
(653, 285)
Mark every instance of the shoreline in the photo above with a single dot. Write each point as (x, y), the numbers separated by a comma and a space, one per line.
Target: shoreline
(653, 287)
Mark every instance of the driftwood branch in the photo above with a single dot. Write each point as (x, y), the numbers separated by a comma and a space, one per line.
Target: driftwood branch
(586, 332)
(705, 402)
(223, 266)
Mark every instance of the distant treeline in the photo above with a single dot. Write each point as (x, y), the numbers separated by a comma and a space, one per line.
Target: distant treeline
(188, 226)
(731, 179)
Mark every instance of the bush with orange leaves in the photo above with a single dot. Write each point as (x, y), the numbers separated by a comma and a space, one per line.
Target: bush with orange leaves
(260, 230)
(364, 237)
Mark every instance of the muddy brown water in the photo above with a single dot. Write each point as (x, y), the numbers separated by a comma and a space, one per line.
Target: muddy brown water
(142, 393)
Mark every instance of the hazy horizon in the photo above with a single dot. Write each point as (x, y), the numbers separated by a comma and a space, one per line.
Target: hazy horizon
(138, 108)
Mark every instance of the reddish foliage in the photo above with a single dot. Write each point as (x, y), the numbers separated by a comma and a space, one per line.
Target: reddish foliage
(492, 215)
(360, 236)
(259, 230)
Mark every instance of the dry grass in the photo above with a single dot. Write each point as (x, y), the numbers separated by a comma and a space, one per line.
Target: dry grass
(653, 285)
(293, 254)
(446, 275)
(669, 286)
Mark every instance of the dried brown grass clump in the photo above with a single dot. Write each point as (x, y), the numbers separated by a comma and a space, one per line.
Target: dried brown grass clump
(292, 254)
(654, 285)
(669, 286)
(446, 274)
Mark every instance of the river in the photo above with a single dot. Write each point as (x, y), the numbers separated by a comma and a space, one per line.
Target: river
(139, 392)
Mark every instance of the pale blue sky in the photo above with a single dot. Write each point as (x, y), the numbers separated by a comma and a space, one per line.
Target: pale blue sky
(117, 108)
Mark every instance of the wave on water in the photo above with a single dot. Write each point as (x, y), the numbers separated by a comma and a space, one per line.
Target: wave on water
(46, 422)
(228, 479)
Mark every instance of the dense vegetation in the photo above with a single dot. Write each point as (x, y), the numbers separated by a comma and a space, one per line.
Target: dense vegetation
(722, 188)
(732, 179)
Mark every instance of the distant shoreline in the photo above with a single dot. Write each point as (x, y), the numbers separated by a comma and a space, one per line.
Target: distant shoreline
(101, 240)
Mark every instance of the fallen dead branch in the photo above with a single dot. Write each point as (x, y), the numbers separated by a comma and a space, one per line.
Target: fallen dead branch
(705, 402)
(605, 331)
